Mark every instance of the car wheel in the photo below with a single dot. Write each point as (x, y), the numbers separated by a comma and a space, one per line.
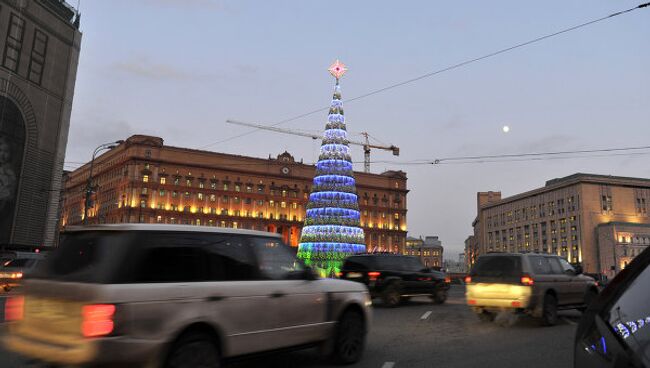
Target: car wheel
(549, 311)
(194, 351)
(590, 295)
(391, 295)
(439, 297)
(350, 338)
(486, 316)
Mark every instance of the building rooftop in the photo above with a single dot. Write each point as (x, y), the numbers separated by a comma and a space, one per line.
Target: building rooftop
(61, 8)
(572, 180)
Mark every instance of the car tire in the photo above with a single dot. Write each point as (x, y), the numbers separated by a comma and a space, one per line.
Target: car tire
(590, 295)
(391, 297)
(194, 350)
(549, 310)
(485, 316)
(349, 339)
(439, 297)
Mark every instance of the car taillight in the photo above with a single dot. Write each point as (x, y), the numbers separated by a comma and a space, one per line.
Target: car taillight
(17, 275)
(14, 308)
(97, 320)
(527, 280)
(468, 279)
(339, 274)
(373, 275)
(448, 280)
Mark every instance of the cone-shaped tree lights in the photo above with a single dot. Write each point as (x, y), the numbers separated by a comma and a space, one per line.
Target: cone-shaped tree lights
(332, 230)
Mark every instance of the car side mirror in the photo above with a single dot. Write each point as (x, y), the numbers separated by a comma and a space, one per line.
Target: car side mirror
(570, 272)
(578, 270)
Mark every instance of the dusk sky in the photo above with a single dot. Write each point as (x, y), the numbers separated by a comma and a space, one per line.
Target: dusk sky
(178, 69)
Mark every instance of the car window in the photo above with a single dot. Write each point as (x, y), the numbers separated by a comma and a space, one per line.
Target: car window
(230, 259)
(356, 264)
(630, 316)
(87, 256)
(496, 266)
(566, 266)
(411, 264)
(540, 265)
(180, 263)
(185, 257)
(275, 260)
(387, 263)
(556, 268)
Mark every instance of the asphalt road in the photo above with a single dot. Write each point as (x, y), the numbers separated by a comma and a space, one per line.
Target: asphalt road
(420, 334)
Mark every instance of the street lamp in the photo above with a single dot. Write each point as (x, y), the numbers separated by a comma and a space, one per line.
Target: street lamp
(89, 184)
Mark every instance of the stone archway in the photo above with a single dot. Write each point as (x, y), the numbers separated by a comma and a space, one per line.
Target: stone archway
(18, 154)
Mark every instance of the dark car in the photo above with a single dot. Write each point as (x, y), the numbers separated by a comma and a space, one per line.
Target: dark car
(13, 271)
(395, 278)
(615, 329)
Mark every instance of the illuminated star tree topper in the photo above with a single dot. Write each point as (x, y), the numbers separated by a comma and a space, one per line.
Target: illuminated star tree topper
(337, 69)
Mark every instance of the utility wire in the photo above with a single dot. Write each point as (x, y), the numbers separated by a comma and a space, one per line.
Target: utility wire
(439, 71)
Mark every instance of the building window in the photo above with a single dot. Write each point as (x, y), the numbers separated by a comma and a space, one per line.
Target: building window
(237, 188)
(199, 196)
(174, 194)
(294, 205)
(163, 180)
(607, 203)
(161, 193)
(37, 61)
(143, 204)
(159, 219)
(225, 186)
(213, 185)
(283, 204)
(145, 178)
(188, 182)
(145, 191)
(213, 198)
(14, 43)
(177, 181)
(187, 194)
(396, 216)
(249, 189)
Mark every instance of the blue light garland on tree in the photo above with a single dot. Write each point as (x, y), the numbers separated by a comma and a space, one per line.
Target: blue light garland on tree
(332, 228)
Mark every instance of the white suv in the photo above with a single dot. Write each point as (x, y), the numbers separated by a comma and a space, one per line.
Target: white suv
(180, 296)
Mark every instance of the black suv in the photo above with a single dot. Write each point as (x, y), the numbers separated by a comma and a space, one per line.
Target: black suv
(396, 278)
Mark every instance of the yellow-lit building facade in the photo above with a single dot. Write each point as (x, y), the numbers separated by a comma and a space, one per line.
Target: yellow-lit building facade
(598, 221)
(145, 181)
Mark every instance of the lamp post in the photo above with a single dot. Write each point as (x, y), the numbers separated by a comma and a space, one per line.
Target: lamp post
(89, 183)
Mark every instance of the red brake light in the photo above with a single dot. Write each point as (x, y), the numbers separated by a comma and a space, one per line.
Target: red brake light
(468, 279)
(14, 308)
(527, 280)
(97, 320)
(448, 280)
(374, 275)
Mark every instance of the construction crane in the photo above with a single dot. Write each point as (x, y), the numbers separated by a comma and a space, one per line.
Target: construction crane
(366, 145)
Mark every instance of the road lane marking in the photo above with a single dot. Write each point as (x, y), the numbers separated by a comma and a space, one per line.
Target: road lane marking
(425, 315)
(569, 321)
(388, 365)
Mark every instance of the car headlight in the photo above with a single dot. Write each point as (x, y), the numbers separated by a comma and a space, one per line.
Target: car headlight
(368, 301)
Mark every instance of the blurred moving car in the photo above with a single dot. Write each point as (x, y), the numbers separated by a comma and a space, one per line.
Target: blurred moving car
(537, 284)
(396, 278)
(180, 296)
(12, 271)
(615, 329)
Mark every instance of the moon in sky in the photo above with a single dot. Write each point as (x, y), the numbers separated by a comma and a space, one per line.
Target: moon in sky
(506, 129)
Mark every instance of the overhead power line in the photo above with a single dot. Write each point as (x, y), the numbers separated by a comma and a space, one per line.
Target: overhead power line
(436, 72)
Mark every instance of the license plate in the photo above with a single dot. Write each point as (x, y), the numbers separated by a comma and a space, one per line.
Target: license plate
(355, 275)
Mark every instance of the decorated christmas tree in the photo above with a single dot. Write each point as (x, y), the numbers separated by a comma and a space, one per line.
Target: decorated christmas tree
(332, 229)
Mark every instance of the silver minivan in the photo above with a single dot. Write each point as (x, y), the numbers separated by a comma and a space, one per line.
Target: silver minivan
(180, 296)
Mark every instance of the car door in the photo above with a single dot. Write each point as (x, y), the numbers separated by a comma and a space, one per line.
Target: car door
(418, 278)
(543, 273)
(297, 300)
(561, 282)
(182, 278)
